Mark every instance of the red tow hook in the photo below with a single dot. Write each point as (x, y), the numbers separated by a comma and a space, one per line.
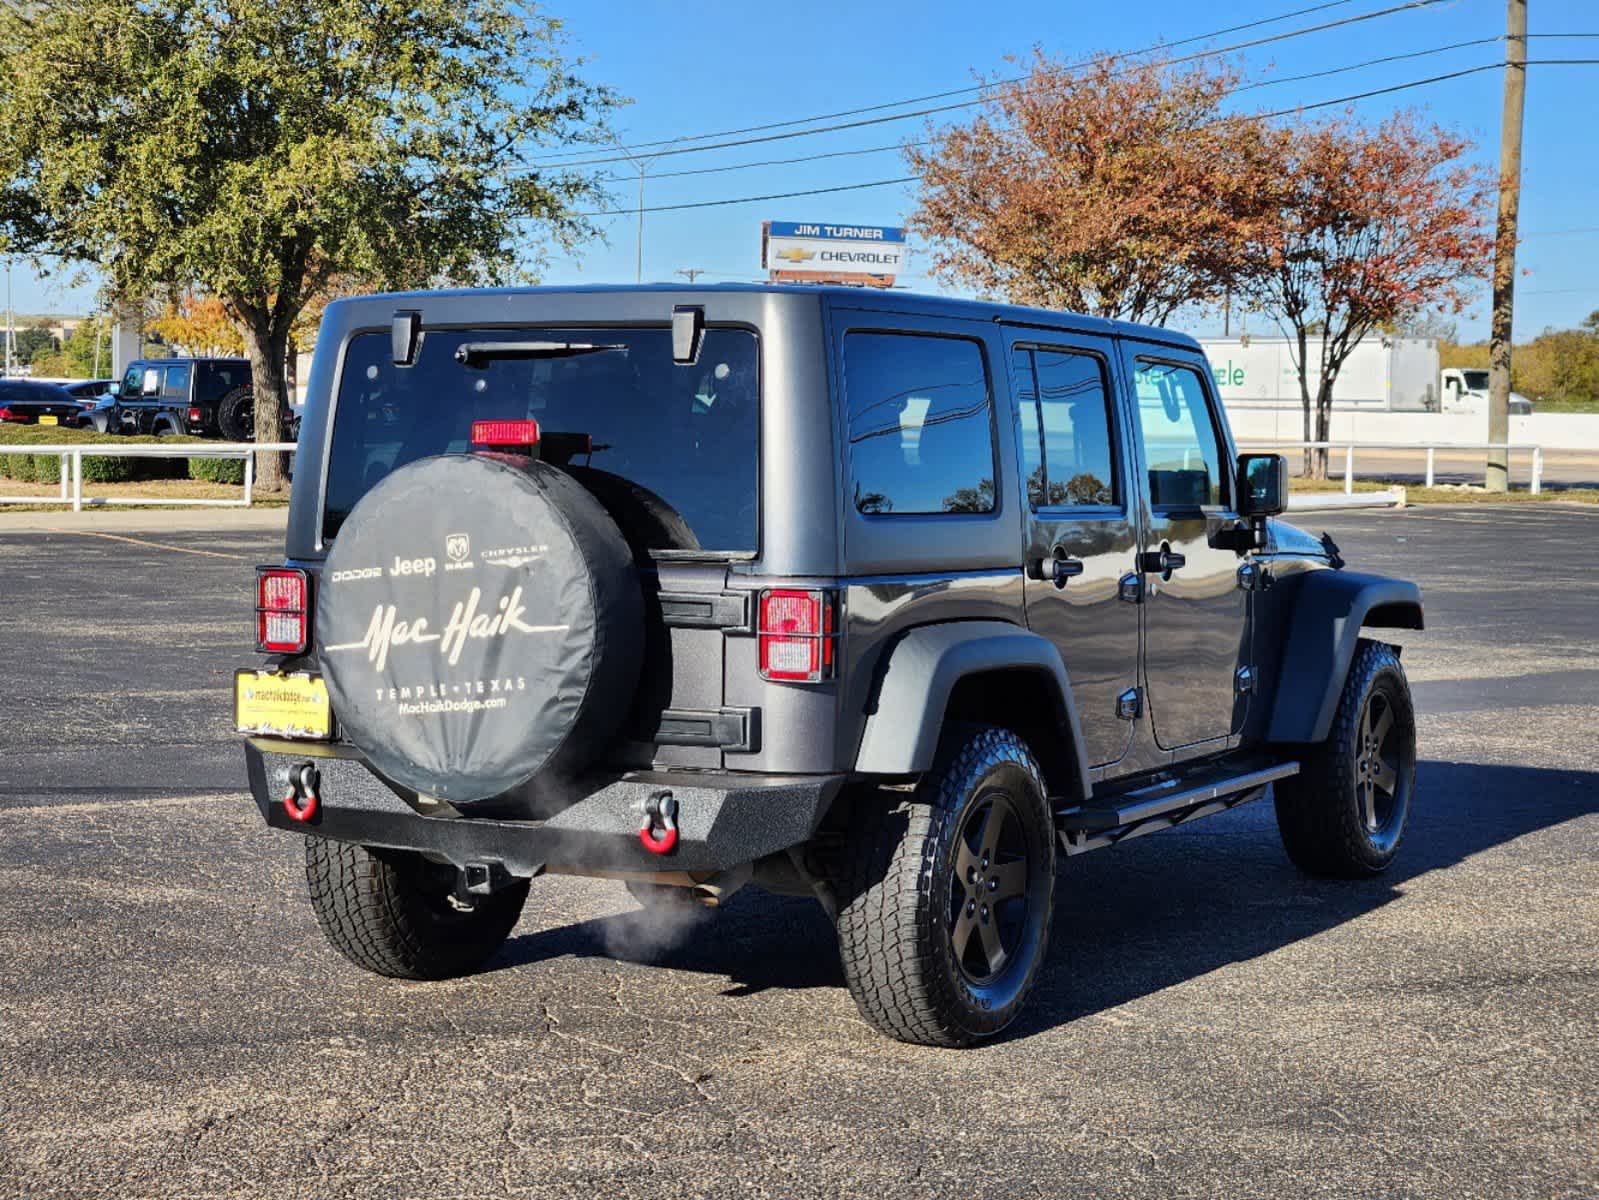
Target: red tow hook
(660, 809)
(301, 803)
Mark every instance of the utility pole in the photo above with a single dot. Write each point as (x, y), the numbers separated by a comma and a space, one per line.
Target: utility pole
(1497, 476)
(691, 273)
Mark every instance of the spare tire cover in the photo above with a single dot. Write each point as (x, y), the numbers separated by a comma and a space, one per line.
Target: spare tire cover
(479, 621)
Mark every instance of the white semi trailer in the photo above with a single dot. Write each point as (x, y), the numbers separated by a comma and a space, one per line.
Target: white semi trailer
(1381, 374)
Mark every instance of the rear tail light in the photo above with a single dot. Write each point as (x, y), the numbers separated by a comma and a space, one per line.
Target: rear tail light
(194, 414)
(7, 415)
(282, 610)
(503, 435)
(796, 635)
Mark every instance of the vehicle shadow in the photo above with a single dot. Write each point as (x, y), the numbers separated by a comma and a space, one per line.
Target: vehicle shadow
(1128, 921)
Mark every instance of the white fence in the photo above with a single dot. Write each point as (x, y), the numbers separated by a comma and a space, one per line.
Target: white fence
(1431, 448)
(71, 491)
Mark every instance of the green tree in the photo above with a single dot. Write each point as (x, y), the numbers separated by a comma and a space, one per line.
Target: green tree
(33, 342)
(77, 357)
(258, 149)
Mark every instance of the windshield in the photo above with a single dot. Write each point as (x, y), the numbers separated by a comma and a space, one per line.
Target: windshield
(1476, 381)
(687, 434)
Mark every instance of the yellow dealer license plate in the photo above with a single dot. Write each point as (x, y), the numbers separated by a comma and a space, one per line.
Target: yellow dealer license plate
(278, 705)
(47, 419)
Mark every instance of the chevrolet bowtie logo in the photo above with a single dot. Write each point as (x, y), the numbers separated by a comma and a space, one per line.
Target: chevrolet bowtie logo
(795, 255)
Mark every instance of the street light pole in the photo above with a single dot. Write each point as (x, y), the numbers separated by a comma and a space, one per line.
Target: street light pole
(10, 319)
(641, 165)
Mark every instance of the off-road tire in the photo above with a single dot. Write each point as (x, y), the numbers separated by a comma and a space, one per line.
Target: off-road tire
(895, 923)
(1319, 811)
(236, 415)
(389, 912)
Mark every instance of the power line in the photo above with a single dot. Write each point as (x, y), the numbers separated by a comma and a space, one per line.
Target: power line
(806, 158)
(961, 91)
(923, 112)
(877, 183)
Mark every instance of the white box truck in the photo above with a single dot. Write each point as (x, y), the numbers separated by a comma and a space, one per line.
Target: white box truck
(1381, 374)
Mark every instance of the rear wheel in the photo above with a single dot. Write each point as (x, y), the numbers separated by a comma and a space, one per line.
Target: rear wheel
(1344, 814)
(395, 913)
(945, 906)
(236, 415)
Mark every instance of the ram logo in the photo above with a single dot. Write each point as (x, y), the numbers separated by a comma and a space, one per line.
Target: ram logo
(457, 546)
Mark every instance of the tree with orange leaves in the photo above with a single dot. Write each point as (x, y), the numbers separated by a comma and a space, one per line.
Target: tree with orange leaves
(1365, 227)
(1116, 189)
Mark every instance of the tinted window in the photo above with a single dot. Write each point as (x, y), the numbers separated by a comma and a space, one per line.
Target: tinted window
(920, 431)
(1063, 405)
(178, 380)
(1180, 441)
(680, 440)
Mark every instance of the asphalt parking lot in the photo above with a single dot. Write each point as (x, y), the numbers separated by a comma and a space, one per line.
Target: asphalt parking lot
(1210, 1022)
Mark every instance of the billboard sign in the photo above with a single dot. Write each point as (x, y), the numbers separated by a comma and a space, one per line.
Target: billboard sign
(821, 253)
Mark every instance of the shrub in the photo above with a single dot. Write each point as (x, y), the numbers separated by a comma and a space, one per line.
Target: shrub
(217, 470)
(46, 468)
(106, 469)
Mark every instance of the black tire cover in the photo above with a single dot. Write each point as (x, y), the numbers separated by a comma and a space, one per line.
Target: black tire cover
(479, 622)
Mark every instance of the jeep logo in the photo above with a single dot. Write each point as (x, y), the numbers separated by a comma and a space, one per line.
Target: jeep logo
(414, 566)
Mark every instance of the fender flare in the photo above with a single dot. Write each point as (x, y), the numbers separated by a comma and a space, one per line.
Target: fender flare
(1330, 609)
(921, 670)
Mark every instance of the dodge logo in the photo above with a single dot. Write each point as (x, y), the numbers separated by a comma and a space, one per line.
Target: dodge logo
(457, 546)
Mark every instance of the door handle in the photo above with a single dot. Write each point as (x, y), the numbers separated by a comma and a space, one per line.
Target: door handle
(1057, 568)
(1162, 562)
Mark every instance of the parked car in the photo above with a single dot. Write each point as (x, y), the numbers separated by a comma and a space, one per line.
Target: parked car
(31, 402)
(89, 390)
(894, 601)
(214, 396)
(134, 416)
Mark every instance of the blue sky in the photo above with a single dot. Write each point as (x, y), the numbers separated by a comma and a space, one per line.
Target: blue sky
(696, 68)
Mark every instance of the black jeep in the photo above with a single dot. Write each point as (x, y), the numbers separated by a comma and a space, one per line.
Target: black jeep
(206, 397)
(889, 600)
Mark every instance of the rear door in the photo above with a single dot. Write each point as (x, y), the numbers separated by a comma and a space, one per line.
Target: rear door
(1081, 514)
(1196, 615)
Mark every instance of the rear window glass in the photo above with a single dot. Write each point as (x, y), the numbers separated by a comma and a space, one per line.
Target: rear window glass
(688, 435)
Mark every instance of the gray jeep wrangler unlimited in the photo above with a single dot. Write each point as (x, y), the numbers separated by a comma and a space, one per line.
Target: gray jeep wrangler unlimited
(890, 600)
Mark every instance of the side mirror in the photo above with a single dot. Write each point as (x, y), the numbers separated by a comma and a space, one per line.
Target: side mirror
(1262, 485)
(115, 389)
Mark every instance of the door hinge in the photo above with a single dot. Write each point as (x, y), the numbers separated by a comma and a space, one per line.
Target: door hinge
(1244, 681)
(1130, 704)
(1130, 588)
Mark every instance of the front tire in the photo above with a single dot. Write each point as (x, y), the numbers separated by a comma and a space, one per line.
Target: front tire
(946, 899)
(393, 912)
(1344, 814)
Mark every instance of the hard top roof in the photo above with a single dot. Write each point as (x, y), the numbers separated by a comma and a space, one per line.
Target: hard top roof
(836, 295)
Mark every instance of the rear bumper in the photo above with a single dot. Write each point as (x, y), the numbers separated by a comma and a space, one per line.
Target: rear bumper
(724, 819)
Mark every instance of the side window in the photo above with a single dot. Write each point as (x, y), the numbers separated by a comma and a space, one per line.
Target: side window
(130, 381)
(1063, 405)
(178, 381)
(150, 384)
(1180, 440)
(921, 436)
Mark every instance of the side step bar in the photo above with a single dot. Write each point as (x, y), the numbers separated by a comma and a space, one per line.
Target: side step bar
(1111, 819)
